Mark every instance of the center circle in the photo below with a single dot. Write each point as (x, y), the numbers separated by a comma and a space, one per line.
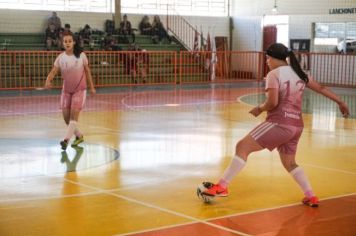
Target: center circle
(35, 157)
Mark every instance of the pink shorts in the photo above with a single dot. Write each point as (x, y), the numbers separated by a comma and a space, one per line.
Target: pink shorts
(73, 100)
(283, 137)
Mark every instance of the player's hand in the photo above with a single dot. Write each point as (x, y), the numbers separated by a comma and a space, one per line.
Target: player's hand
(256, 111)
(48, 84)
(92, 91)
(344, 109)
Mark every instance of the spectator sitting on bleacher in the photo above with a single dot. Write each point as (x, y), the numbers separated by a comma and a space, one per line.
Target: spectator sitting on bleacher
(126, 28)
(55, 20)
(110, 43)
(84, 36)
(158, 30)
(145, 26)
(52, 37)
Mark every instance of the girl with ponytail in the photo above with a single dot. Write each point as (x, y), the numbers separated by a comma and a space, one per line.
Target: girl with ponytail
(75, 72)
(283, 127)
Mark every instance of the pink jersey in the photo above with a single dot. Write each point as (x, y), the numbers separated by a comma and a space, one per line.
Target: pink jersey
(290, 92)
(72, 71)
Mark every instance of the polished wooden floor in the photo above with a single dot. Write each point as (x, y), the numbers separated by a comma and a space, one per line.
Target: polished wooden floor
(147, 148)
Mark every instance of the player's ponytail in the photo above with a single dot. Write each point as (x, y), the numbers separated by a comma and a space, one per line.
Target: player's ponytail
(77, 50)
(296, 66)
(281, 52)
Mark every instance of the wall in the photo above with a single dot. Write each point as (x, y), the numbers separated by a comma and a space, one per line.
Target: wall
(14, 21)
(248, 14)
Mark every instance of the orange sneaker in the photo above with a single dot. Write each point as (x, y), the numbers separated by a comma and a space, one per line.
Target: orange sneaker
(311, 201)
(215, 190)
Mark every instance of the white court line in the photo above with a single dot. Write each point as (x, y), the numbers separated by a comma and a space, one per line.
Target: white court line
(156, 229)
(233, 215)
(279, 207)
(12, 200)
(160, 208)
(164, 105)
(135, 186)
(329, 169)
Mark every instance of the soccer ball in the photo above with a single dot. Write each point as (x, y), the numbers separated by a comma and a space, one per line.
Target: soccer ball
(200, 192)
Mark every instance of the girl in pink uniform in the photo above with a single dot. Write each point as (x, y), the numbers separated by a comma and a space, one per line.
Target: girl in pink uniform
(73, 64)
(283, 127)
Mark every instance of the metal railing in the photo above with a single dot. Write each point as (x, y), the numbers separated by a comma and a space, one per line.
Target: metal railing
(29, 69)
(182, 29)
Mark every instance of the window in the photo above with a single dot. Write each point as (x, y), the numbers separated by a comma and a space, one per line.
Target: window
(60, 5)
(182, 7)
(340, 35)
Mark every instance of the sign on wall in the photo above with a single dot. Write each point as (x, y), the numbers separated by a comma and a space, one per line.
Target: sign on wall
(343, 10)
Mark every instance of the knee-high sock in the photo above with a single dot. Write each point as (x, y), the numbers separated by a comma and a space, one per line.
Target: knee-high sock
(301, 178)
(70, 130)
(77, 133)
(236, 165)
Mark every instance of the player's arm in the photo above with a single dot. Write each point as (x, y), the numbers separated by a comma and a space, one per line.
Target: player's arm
(51, 76)
(89, 78)
(315, 86)
(269, 104)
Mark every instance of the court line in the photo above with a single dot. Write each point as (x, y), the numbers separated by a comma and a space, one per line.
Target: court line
(12, 200)
(135, 186)
(139, 185)
(320, 167)
(279, 207)
(156, 229)
(232, 215)
(149, 205)
(329, 169)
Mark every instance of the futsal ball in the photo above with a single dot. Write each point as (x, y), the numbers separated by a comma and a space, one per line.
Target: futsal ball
(200, 192)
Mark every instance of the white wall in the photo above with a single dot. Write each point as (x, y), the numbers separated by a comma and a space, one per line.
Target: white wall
(247, 33)
(15, 21)
(248, 14)
(22, 21)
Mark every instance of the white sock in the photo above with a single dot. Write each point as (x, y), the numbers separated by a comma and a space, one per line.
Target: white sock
(77, 133)
(70, 130)
(236, 165)
(300, 177)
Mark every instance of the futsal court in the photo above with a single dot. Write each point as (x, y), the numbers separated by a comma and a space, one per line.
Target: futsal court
(146, 150)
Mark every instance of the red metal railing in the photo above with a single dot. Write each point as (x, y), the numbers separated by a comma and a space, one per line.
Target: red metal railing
(29, 69)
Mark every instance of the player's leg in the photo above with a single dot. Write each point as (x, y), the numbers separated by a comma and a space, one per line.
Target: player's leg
(298, 174)
(77, 105)
(243, 149)
(65, 106)
(265, 135)
(287, 152)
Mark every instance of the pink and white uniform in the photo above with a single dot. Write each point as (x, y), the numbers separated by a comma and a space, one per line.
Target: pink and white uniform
(284, 124)
(74, 80)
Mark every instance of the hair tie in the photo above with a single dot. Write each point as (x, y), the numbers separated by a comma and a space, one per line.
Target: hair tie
(289, 51)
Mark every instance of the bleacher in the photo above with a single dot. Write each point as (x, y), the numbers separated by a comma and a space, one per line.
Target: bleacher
(36, 41)
(25, 63)
(22, 41)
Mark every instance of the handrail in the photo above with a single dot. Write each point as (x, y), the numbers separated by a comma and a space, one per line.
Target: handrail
(182, 29)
